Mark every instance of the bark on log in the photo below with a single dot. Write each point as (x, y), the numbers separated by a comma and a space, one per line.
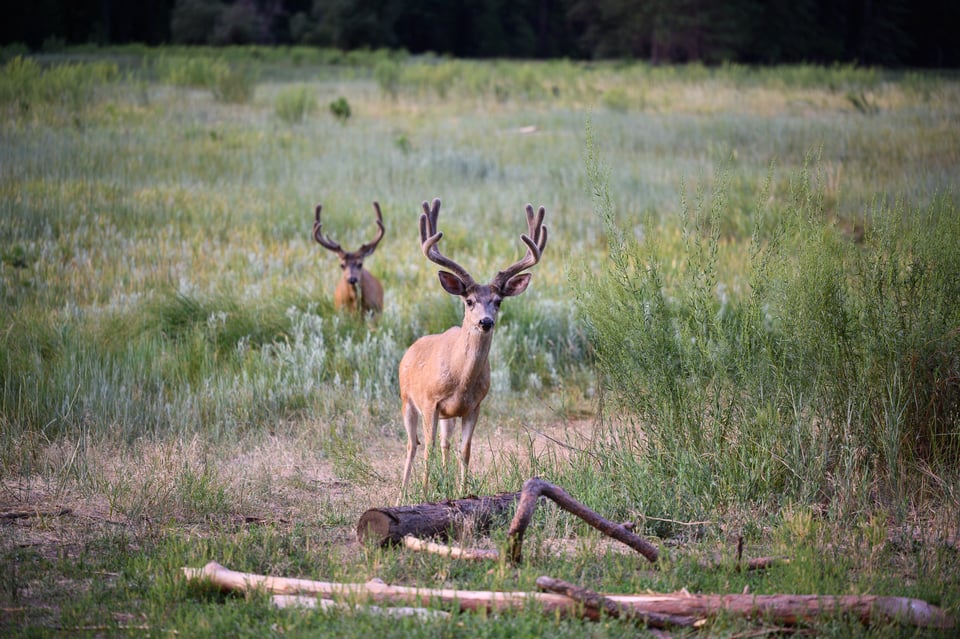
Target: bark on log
(783, 609)
(383, 526)
(531, 492)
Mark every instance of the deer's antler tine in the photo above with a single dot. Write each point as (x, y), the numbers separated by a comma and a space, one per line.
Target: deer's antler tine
(535, 242)
(429, 236)
(535, 224)
(370, 246)
(321, 239)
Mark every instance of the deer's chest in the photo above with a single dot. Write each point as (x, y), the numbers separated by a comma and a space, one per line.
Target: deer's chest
(463, 396)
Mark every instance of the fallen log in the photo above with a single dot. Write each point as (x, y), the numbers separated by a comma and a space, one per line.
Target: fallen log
(778, 608)
(531, 492)
(384, 526)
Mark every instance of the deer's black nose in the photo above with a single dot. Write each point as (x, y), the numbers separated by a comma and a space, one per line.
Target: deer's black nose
(351, 280)
(486, 324)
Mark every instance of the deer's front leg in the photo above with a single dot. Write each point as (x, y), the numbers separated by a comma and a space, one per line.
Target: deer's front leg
(446, 430)
(468, 422)
(430, 419)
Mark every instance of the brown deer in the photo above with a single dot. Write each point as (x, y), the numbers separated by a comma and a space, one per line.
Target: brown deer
(357, 290)
(447, 375)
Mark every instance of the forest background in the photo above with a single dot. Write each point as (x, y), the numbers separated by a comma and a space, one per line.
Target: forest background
(890, 33)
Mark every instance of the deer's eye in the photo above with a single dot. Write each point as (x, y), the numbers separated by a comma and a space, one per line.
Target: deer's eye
(343, 265)
(470, 303)
(497, 303)
(359, 264)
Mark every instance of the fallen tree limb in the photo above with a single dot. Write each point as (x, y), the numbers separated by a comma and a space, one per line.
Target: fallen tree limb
(22, 514)
(383, 526)
(531, 492)
(782, 609)
(611, 607)
(378, 592)
(452, 552)
(304, 601)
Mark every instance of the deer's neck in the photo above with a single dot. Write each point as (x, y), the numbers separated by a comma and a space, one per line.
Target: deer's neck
(471, 351)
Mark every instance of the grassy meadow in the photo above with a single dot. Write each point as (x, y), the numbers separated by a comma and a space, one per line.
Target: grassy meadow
(746, 324)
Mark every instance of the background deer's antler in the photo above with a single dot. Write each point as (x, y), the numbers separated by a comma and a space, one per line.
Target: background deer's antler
(323, 240)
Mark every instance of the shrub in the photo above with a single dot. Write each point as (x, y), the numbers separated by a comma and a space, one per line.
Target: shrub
(340, 109)
(834, 373)
(187, 71)
(71, 87)
(294, 104)
(234, 84)
(387, 74)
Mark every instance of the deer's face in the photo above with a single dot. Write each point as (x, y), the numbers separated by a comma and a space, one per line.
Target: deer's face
(481, 302)
(351, 264)
(481, 305)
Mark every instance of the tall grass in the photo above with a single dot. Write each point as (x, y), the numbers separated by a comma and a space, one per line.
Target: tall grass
(28, 90)
(831, 378)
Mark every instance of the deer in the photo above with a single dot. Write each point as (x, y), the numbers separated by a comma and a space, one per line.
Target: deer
(446, 376)
(358, 290)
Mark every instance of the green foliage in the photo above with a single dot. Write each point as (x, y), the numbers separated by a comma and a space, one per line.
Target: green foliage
(234, 84)
(838, 359)
(28, 89)
(294, 104)
(387, 74)
(198, 71)
(340, 109)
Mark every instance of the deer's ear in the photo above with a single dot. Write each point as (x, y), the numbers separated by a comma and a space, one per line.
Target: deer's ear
(452, 284)
(516, 285)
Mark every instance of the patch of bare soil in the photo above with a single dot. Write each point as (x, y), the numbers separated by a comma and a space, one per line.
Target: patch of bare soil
(280, 481)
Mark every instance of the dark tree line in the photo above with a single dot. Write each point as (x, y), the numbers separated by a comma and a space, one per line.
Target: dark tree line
(920, 33)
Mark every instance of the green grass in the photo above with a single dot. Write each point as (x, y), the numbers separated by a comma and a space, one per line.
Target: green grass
(744, 324)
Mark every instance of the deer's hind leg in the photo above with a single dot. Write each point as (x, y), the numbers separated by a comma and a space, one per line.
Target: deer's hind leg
(411, 417)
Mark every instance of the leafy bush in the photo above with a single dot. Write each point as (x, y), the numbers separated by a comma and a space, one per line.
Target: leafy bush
(340, 109)
(294, 104)
(234, 84)
(836, 369)
(187, 71)
(26, 86)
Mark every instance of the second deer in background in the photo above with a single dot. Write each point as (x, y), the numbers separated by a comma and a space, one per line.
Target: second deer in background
(357, 290)
(446, 376)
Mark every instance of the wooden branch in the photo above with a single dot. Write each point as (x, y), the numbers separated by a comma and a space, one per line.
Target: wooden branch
(535, 487)
(610, 607)
(378, 592)
(304, 601)
(471, 554)
(21, 514)
(782, 609)
(383, 526)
